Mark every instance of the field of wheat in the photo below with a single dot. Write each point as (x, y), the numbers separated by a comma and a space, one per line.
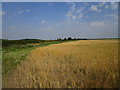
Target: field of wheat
(80, 64)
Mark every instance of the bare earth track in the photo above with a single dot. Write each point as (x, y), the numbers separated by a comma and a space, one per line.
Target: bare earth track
(86, 63)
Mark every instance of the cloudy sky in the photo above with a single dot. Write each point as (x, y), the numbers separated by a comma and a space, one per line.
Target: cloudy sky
(52, 20)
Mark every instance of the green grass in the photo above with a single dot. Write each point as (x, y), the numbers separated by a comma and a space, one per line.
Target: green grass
(13, 55)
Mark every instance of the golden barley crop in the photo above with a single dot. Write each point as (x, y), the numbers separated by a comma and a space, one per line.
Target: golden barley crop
(80, 64)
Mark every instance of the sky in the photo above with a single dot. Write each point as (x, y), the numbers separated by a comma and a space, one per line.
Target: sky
(0, 20)
(52, 20)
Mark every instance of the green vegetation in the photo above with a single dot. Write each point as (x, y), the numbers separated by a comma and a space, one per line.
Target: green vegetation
(21, 42)
(15, 51)
(6, 43)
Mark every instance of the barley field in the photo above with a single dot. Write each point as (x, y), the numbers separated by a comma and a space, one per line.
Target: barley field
(79, 64)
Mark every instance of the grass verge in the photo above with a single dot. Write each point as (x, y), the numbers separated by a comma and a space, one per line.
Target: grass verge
(13, 55)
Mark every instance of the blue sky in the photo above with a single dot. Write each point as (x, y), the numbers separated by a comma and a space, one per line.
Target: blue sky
(52, 20)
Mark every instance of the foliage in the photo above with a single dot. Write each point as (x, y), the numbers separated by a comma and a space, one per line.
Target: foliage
(15, 51)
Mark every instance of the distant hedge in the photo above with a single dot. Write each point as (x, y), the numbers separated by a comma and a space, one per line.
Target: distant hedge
(20, 42)
(27, 41)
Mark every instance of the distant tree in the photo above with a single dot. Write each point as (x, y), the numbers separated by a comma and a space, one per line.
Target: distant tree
(69, 38)
(59, 39)
(65, 39)
(74, 38)
(78, 38)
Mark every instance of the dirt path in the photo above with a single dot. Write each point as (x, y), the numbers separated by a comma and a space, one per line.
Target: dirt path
(76, 64)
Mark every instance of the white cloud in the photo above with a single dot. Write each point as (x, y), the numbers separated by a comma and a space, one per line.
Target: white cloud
(80, 15)
(111, 5)
(74, 17)
(114, 5)
(27, 10)
(80, 10)
(113, 16)
(21, 11)
(71, 11)
(2, 13)
(106, 6)
(75, 14)
(95, 8)
(102, 4)
(50, 4)
(97, 23)
(43, 22)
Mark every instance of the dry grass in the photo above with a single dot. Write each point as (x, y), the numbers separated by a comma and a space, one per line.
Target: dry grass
(81, 64)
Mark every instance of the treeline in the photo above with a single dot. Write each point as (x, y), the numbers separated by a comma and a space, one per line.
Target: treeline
(69, 38)
(28, 41)
(20, 42)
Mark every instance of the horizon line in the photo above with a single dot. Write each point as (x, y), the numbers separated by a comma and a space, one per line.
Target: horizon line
(63, 38)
